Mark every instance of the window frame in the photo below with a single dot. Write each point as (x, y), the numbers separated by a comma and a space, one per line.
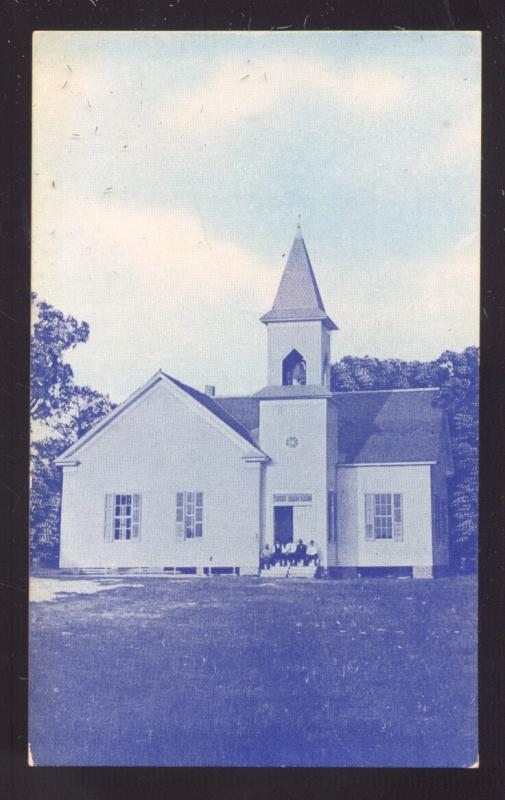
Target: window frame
(189, 515)
(123, 516)
(384, 513)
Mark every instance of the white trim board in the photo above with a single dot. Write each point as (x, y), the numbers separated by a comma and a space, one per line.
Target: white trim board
(388, 464)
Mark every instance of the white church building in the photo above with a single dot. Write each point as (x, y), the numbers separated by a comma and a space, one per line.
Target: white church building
(179, 480)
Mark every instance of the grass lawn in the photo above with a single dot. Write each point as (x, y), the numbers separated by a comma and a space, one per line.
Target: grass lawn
(241, 671)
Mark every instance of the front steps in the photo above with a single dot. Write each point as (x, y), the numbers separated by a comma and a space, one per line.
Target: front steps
(275, 572)
(289, 572)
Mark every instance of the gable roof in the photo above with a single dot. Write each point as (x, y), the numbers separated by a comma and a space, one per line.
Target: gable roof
(389, 426)
(204, 400)
(244, 409)
(298, 297)
(374, 427)
(215, 408)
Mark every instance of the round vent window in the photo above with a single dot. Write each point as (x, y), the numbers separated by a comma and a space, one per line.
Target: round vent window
(291, 441)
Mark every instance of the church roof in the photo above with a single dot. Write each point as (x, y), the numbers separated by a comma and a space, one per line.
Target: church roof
(216, 408)
(244, 431)
(389, 426)
(298, 297)
(244, 409)
(374, 427)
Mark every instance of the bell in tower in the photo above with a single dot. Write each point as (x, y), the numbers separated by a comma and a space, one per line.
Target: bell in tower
(294, 372)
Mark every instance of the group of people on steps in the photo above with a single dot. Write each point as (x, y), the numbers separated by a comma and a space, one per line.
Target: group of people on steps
(290, 554)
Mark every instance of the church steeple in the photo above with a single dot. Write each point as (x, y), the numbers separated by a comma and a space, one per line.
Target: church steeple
(298, 326)
(298, 297)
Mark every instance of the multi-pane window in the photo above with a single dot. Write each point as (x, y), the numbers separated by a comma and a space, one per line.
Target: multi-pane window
(383, 516)
(292, 498)
(189, 515)
(122, 517)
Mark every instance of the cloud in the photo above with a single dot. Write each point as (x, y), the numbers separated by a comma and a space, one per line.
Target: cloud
(157, 288)
(236, 91)
(412, 310)
(250, 141)
(454, 146)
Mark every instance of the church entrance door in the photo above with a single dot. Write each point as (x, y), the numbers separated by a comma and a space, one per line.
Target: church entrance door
(283, 524)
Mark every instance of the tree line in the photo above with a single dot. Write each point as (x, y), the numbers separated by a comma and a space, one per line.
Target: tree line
(457, 376)
(62, 411)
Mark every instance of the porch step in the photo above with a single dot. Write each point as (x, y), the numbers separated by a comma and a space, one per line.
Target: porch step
(275, 572)
(302, 572)
(289, 572)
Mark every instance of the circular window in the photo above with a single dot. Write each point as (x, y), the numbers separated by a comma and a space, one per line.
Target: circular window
(291, 441)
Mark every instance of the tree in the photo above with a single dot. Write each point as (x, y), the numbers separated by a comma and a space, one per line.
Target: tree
(45, 500)
(51, 378)
(457, 376)
(67, 411)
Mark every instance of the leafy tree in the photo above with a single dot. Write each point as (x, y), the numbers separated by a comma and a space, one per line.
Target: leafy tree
(67, 411)
(457, 376)
(45, 500)
(51, 378)
(85, 407)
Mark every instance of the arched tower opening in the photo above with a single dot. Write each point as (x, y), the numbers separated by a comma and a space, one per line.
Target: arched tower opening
(294, 370)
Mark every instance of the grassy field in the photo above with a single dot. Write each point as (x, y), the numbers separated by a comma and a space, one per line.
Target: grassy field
(238, 671)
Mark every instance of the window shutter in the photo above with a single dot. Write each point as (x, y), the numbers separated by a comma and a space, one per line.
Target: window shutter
(179, 516)
(109, 518)
(136, 506)
(397, 518)
(199, 514)
(331, 516)
(369, 528)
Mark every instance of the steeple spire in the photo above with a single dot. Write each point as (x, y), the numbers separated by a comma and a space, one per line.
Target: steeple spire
(298, 297)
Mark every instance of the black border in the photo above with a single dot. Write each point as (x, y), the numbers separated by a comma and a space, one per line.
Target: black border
(18, 19)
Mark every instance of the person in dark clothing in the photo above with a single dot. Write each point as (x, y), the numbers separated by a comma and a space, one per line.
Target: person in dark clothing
(277, 556)
(301, 550)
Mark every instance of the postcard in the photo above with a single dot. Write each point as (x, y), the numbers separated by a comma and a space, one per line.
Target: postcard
(254, 399)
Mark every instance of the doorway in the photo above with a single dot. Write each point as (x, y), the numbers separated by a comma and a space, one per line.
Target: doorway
(283, 524)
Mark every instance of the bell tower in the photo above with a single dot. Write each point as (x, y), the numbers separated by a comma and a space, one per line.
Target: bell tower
(299, 328)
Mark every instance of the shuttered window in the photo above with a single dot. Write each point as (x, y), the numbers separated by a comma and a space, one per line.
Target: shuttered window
(189, 515)
(384, 516)
(122, 517)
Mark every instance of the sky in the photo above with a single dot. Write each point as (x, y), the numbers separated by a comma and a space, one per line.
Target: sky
(170, 170)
